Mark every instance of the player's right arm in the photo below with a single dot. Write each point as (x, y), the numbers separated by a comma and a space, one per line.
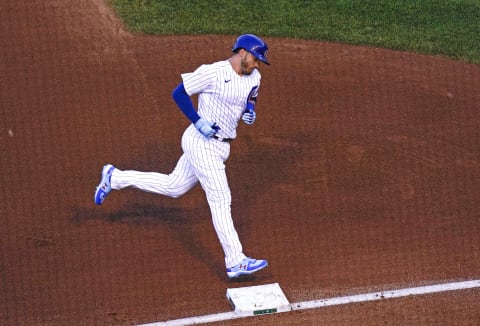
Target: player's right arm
(185, 104)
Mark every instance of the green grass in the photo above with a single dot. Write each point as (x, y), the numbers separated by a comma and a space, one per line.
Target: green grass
(440, 27)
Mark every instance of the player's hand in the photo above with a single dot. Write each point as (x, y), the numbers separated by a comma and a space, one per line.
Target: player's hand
(249, 117)
(206, 128)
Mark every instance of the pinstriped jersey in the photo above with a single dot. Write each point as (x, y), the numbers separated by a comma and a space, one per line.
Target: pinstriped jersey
(222, 94)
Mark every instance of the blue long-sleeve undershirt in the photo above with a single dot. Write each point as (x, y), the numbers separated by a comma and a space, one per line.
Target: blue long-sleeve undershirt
(185, 103)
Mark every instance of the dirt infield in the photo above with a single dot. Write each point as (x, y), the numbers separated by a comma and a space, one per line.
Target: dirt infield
(361, 173)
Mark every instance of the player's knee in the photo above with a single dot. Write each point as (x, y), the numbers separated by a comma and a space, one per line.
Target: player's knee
(174, 192)
(176, 189)
(176, 195)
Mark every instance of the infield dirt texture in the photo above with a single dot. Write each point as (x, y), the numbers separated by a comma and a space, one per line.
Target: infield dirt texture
(362, 173)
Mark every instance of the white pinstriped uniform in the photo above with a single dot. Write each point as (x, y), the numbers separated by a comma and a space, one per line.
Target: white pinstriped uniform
(222, 96)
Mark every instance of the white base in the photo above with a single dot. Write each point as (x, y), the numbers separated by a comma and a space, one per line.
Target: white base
(258, 300)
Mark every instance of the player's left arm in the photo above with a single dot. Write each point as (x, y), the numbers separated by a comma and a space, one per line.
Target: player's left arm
(249, 115)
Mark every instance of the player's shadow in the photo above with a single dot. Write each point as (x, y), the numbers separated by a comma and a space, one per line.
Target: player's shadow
(141, 215)
(180, 224)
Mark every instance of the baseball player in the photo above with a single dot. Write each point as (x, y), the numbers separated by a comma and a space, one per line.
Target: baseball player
(227, 92)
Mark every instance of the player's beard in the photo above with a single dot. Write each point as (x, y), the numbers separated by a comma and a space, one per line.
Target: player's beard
(244, 67)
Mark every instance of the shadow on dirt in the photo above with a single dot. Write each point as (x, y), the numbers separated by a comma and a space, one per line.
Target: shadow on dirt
(180, 223)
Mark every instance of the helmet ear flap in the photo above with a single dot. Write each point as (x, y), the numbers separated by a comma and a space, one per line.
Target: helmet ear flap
(252, 44)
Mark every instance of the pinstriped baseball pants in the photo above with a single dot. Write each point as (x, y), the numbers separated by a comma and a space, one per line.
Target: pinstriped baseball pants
(202, 161)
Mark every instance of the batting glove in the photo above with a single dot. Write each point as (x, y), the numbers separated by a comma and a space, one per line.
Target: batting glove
(206, 128)
(249, 117)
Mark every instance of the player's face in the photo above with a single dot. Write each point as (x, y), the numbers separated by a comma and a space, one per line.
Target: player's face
(249, 63)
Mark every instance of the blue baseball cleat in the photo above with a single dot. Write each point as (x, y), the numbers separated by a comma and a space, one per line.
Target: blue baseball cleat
(104, 187)
(246, 267)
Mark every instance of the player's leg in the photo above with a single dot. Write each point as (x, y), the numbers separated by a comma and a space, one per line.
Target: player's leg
(215, 184)
(175, 184)
(207, 159)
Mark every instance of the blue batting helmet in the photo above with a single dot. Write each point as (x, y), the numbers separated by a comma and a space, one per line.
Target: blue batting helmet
(254, 45)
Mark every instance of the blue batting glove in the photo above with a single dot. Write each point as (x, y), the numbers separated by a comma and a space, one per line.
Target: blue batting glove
(206, 128)
(249, 117)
